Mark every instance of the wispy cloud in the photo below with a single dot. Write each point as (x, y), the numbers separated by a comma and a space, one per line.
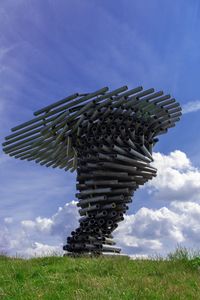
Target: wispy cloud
(191, 106)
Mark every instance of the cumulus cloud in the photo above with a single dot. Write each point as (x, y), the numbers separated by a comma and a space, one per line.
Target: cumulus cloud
(4, 240)
(191, 106)
(42, 236)
(146, 232)
(160, 231)
(39, 249)
(60, 224)
(177, 178)
(151, 231)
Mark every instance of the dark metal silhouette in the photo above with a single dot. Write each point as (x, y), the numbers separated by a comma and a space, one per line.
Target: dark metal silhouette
(108, 138)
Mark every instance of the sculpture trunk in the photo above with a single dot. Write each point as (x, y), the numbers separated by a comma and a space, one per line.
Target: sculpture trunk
(106, 182)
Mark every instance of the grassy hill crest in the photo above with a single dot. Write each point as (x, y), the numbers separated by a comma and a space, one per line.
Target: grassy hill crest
(177, 277)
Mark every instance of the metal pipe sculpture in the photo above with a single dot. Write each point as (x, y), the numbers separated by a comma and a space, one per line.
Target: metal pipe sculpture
(108, 138)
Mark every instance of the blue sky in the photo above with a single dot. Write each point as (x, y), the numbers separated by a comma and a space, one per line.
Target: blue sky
(51, 49)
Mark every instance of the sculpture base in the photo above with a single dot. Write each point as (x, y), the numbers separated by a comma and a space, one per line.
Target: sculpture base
(95, 255)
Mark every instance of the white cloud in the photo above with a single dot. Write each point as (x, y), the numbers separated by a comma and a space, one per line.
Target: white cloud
(160, 231)
(60, 224)
(42, 236)
(39, 249)
(8, 220)
(191, 106)
(146, 232)
(4, 240)
(177, 178)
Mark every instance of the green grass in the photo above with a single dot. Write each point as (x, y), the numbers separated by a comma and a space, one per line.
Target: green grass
(100, 278)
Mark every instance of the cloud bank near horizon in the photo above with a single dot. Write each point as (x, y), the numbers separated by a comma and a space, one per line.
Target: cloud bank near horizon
(148, 231)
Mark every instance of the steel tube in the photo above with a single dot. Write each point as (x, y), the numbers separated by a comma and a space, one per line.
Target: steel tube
(139, 155)
(90, 208)
(101, 182)
(134, 99)
(92, 200)
(93, 191)
(55, 104)
(92, 95)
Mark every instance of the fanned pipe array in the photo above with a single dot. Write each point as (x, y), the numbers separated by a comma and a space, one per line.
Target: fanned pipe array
(108, 138)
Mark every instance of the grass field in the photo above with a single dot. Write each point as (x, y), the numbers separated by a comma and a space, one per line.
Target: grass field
(100, 278)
